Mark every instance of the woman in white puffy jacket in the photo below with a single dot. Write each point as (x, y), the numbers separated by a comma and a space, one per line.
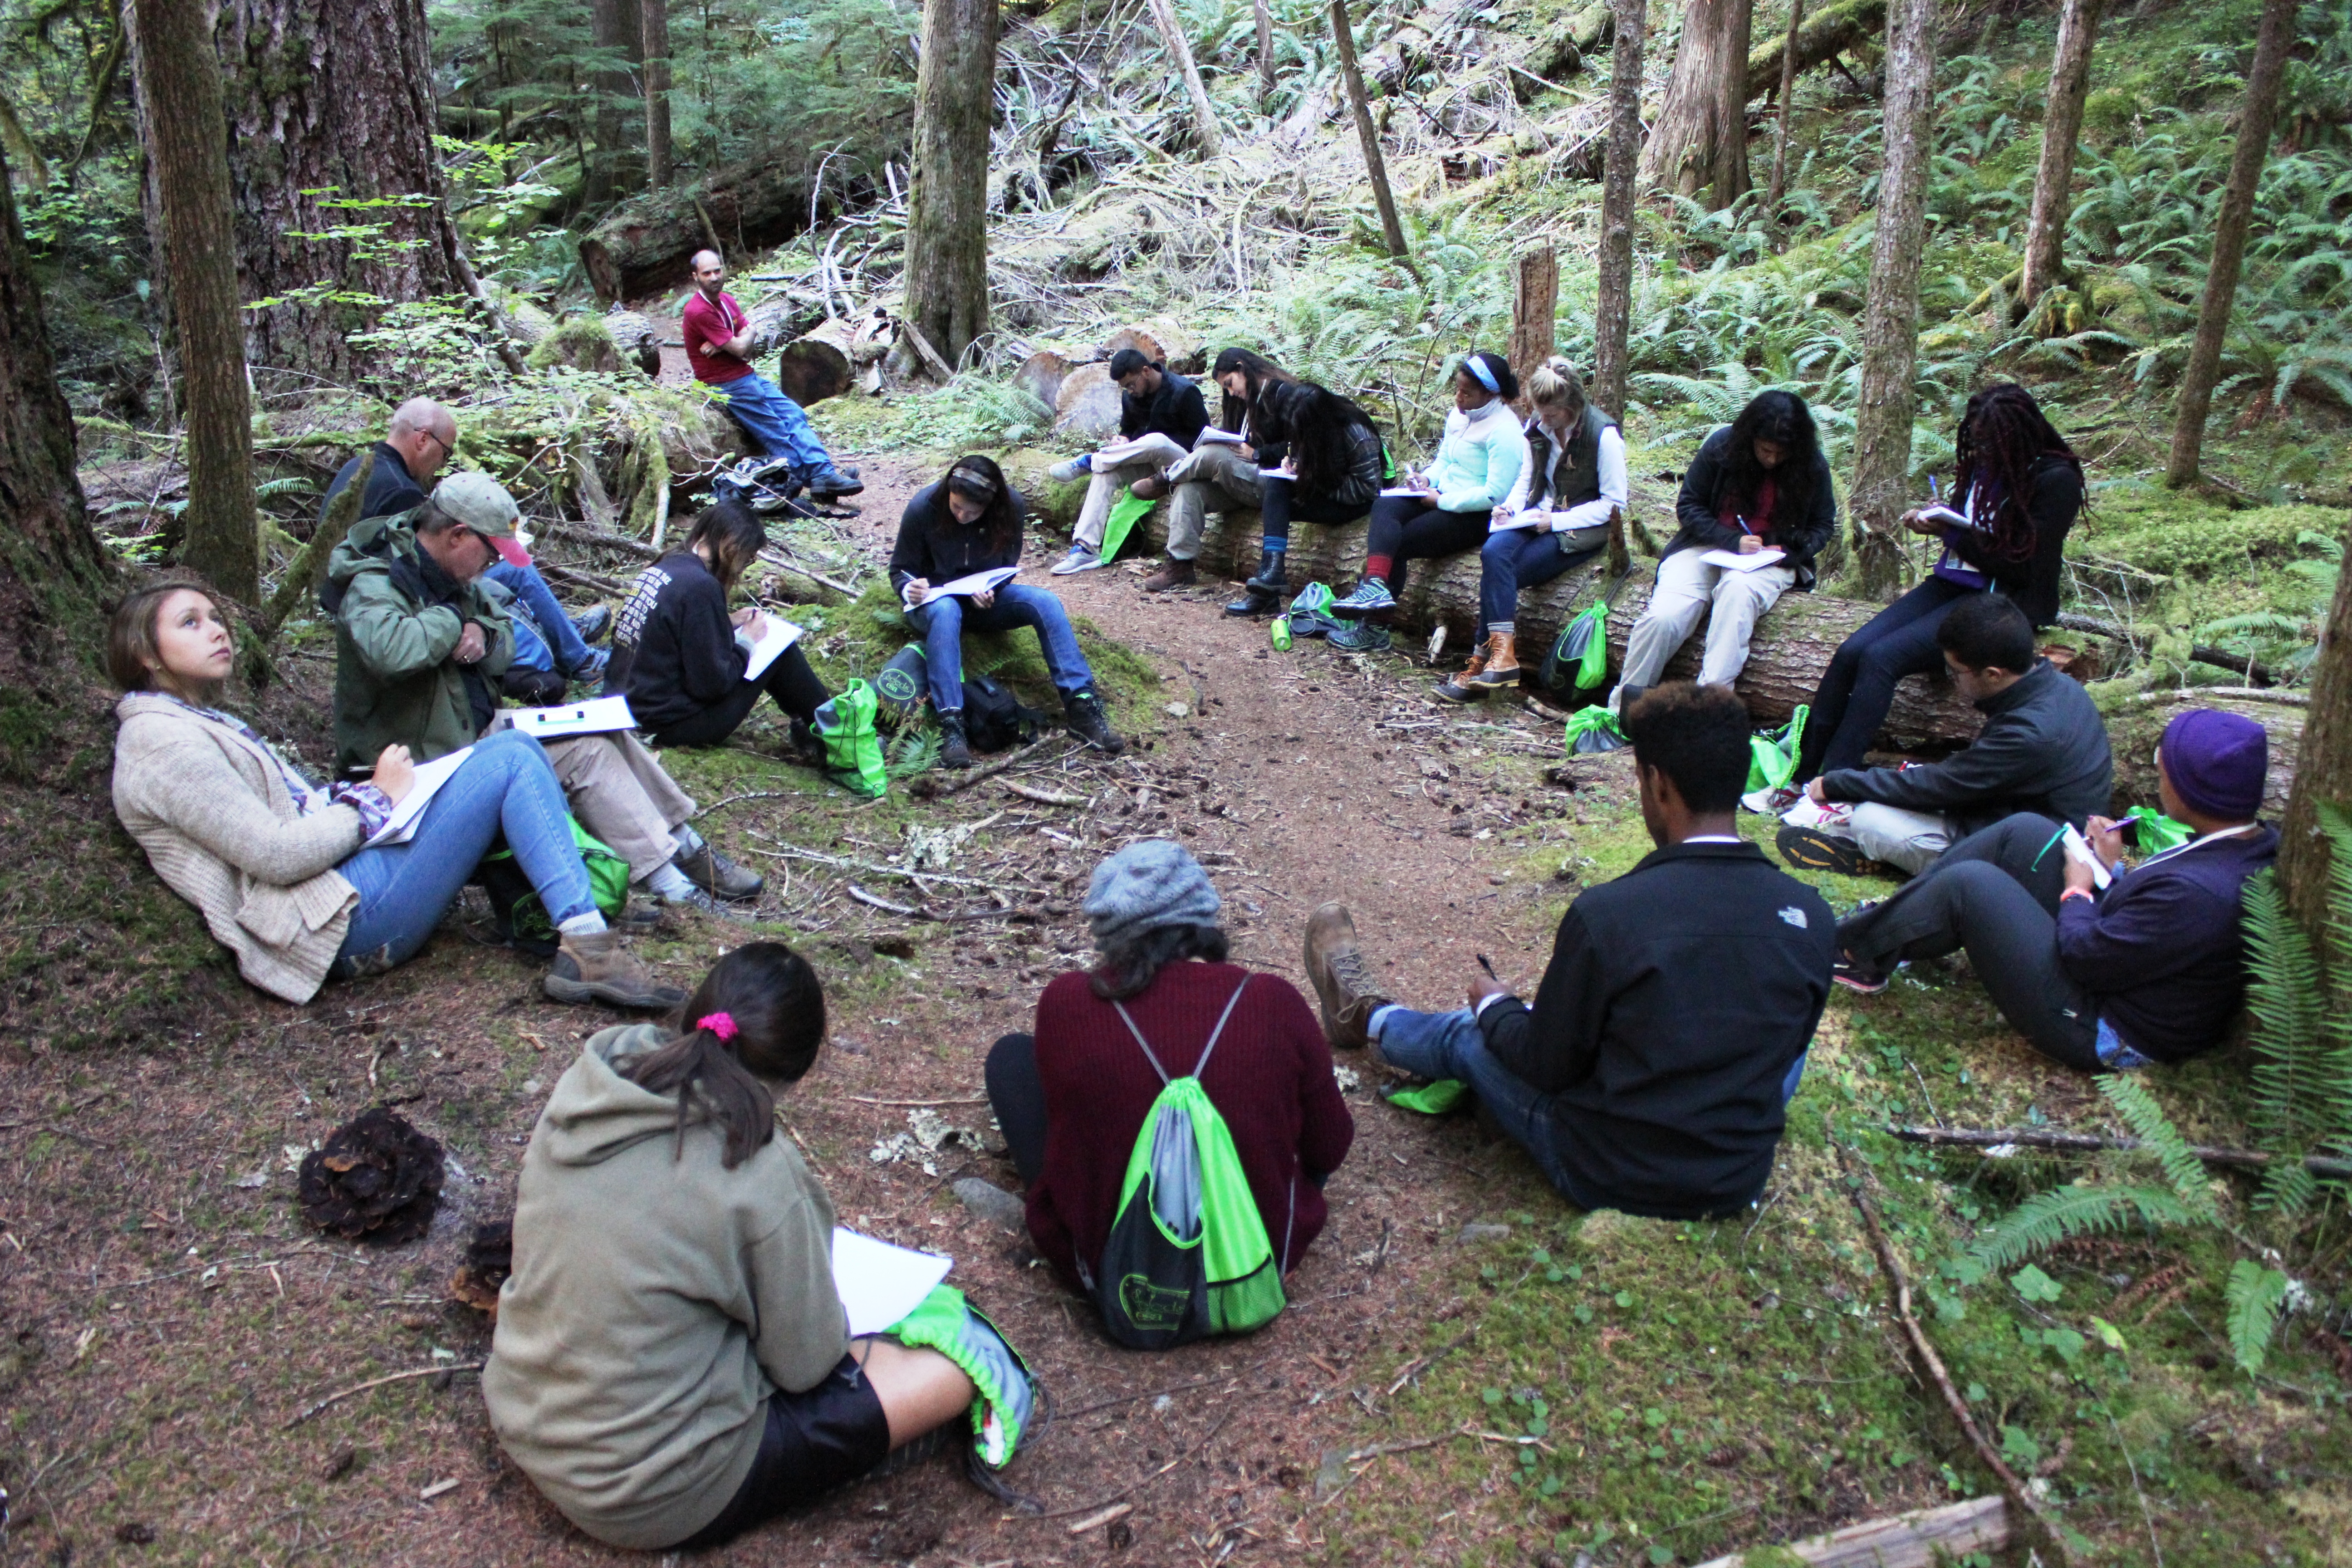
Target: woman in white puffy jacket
(1446, 509)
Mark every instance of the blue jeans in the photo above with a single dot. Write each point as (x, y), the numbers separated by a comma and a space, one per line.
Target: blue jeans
(777, 424)
(943, 622)
(1451, 1045)
(1859, 686)
(506, 786)
(1514, 559)
(544, 619)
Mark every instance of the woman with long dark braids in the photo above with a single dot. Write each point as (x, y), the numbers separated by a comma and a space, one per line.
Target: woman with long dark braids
(1336, 463)
(1073, 1097)
(672, 1363)
(1759, 484)
(2018, 492)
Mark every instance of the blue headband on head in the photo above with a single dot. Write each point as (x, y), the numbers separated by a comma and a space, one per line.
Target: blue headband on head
(1478, 367)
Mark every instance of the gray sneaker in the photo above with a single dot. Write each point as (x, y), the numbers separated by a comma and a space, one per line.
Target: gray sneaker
(1371, 597)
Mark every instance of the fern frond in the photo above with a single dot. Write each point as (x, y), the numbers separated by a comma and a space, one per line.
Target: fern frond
(2256, 1295)
(2045, 1219)
(2288, 1187)
(2161, 1138)
(2286, 992)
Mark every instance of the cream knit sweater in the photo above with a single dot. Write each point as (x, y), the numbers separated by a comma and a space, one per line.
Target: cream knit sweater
(213, 813)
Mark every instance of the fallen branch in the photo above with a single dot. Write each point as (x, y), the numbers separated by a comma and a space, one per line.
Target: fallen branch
(775, 556)
(863, 897)
(1130, 1491)
(2091, 1143)
(340, 1394)
(1929, 1534)
(2237, 694)
(793, 852)
(1420, 1364)
(926, 785)
(565, 528)
(967, 1100)
(603, 584)
(2253, 668)
(1925, 1348)
(1042, 797)
(930, 356)
(309, 562)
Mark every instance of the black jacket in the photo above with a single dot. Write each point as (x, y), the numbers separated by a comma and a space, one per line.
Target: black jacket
(2032, 584)
(1174, 411)
(1677, 999)
(2044, 749)
(1702, 498)
(934, 546)
(674, 650)
(389, 487)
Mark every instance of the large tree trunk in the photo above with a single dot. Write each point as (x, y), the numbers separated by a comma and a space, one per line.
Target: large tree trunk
(2256, 115)
(1788, 93)
(644, 246)
(1881, 444)
(656, 49)
(180, 86)
(2324, 777)
(2061, 128)
(329, 102)
(1179, 49)
(1343, 36)
(1614, 314)
(947, 212)
(1700, 140)
(618, 34)
(52, 572)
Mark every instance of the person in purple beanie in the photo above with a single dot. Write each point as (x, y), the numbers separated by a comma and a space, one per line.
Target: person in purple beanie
(2107, 969)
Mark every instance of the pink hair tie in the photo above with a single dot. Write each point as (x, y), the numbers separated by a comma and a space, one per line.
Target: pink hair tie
(720, 1024)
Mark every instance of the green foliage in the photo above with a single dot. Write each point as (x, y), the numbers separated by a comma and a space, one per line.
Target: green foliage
(2159, 1138)
(2256, 1296)
(2045, 1219)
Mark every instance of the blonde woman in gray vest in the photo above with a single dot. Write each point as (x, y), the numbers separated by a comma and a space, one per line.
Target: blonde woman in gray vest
(1556, 516)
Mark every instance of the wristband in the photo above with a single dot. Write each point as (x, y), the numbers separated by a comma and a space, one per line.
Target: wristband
(2083, 893)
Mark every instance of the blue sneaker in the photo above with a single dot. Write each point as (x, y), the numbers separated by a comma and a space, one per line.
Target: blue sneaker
(1371, 597)
(1079, 559)
(1078, 468)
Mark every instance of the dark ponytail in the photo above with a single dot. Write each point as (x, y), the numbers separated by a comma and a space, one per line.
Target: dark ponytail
(757, 1018)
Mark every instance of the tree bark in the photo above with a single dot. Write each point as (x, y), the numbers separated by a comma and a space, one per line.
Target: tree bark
(1204, 113)
(180, 86)
(53, 574)
(1881, 444)
(1700, 140)
(1836, 27)
(946, 211)
(2062, 129)
(1534, 309)
(643, 245)
(329, 102)
(2324, 775)
(618, 34)
(1617, 193)
(2256, 116)
(1343, 34)
(1265, 16)
(657, 51)
(1788, 92)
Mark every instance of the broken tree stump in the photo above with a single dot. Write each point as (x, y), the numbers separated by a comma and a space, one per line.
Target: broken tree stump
(635, 336)
(1535, 311)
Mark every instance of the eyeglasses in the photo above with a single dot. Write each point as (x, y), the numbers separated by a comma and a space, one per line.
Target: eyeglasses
(447, 447)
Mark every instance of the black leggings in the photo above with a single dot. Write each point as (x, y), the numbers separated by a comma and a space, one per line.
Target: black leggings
(1017, 1094)
(1996, 894)
(1858, 687)
(789, 681)
(1408, 528)
(1282, 500)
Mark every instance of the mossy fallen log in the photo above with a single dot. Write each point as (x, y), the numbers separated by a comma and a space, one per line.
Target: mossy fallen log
(1829, 31)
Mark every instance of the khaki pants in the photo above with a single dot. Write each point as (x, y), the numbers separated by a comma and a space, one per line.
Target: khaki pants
(1688, 588)
(621, 794)
(1115, 467)
(1212, 478)
(1910, 840)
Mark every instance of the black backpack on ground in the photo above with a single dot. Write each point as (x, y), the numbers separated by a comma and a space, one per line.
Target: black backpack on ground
(994, 719)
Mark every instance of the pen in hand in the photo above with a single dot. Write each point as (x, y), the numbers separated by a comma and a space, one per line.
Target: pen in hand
(1489, 969)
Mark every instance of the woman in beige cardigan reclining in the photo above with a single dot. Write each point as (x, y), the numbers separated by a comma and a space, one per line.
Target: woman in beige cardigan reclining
(281, 868)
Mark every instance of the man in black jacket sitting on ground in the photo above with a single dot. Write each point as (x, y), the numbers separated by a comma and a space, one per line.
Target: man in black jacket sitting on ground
(1653, 1071)
(2044, 749)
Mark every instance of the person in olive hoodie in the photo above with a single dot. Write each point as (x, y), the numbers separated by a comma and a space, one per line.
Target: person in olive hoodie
(672, 1362)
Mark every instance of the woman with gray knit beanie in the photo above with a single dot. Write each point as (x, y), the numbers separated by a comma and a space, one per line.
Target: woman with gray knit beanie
(1073, 1097)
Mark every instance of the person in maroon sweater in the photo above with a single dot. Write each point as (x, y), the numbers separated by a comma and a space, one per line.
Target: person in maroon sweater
(1073, 1097)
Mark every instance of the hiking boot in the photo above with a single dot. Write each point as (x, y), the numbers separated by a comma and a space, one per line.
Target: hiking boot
(1273, 571)
(955, 750)
(1811, 849)
(1622, 700)
(1361, 637)
(1855, 976)
(830, 483)
(1150, 487)
(1499, 671)
(720, 877)
(590, 668)
(1079, 559)
(1173, 573)
(1254, 603)
(1341, 978)
(803, 745)
(1464, 687)
(1089, 724)
(594, 624)
(1372, 596)
(1076, 468)
(594, 967)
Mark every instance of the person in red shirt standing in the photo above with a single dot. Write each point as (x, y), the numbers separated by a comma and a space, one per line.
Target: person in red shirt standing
(1073, 1097)
(718, 339)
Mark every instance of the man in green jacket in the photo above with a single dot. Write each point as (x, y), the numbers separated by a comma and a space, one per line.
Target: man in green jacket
(421, 639)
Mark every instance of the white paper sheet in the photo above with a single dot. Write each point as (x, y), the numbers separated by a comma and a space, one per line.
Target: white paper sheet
(1524, 519)
(1936, 512)
(1214, 436)
(1276, 474)
(1732, 561)
(977, 582)
(2079, 848)
(879, 1283)
(1402, 491)
(781, 634)
(602, 716)
(430, 776)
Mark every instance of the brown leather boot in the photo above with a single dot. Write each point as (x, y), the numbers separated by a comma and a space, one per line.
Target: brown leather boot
(1150, 487)
(1172, 573)
(1464, 687)
(1501, 671)
(594, 967)
(1342, 977)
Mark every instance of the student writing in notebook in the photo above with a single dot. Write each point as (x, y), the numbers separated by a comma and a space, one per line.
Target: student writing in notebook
(1160, 415)
(1333, 464)
(1220, 472)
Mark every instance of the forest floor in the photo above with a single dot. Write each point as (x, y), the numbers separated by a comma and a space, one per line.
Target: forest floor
(1468, 1373)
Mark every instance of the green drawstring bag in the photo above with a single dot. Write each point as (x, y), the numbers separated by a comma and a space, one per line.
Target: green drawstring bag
(853, 751)
(1772, 753)
(1188, 1255)
(1005, 1397)
(1591, 730)
(2158, 832)
(515, 905)
(1125, 514)
(1432, 1098)
(1578, 660)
